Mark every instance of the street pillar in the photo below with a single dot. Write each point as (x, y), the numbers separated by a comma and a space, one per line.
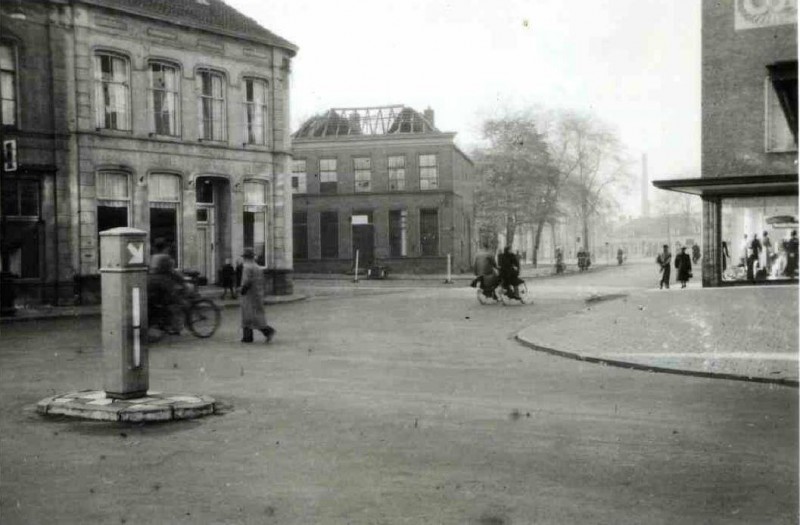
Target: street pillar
(124, 293)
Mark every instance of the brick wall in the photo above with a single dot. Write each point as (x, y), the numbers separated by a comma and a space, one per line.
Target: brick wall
(734, 72)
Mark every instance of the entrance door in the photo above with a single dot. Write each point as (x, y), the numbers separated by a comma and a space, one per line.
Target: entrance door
(206, 234)
(363, 239)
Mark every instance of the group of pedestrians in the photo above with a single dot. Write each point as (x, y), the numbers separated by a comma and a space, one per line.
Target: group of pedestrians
(683, 264)
(165, 285)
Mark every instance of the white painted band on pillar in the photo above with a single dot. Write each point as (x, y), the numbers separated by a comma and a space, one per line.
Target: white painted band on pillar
(137, 349)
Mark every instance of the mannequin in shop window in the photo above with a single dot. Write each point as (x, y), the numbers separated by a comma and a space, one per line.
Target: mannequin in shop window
(768, 254)
(754, 253)
(791, 255)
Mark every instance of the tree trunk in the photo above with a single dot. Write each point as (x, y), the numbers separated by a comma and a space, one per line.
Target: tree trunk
(585, 221)
(511, 228)
(553, 238)
(537, 241)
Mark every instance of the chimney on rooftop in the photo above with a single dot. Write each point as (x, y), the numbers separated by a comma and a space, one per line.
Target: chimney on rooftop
(428, 114)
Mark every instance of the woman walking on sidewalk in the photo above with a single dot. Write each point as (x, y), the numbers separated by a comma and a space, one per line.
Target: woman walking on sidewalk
(683, 263)
(252, 293)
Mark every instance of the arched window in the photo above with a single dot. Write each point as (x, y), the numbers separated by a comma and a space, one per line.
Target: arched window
(255, 218)
(112, 91)
(211, 104)
(255, 109)
(113, 202)
(164, 98)
(164, 190)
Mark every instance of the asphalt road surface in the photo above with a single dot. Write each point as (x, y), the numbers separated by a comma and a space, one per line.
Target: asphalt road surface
(396, 403)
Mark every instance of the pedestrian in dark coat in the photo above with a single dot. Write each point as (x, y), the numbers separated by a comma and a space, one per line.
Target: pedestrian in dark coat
(664, 261)
(239, 269)
(228, 275)
(252, 292)
(683, 263)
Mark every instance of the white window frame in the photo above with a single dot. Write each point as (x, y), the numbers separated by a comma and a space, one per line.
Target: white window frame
(253, 109)
(397, 174)
(299, 176)
(362, 174)
(14, 98)
(221, 134)
(426, 182)
(328, 175)
(174, 94)
(101, 88)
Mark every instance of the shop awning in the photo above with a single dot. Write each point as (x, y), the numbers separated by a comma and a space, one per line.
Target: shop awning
(740, 185)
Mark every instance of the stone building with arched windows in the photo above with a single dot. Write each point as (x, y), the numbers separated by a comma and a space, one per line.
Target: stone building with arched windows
(171, 116)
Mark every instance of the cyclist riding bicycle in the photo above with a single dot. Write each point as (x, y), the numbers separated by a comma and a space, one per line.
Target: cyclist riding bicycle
(485, 269)
(165, 286)
(509, 272)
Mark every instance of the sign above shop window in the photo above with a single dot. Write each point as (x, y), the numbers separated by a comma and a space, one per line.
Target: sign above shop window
(751, 14)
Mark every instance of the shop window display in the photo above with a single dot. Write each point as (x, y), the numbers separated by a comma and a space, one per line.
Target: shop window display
(759, 238)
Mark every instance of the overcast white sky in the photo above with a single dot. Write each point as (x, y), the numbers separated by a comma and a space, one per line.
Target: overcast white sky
(634, 63)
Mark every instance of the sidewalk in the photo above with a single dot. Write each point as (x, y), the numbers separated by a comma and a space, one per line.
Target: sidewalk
(746, 333)
(59, 312)
(528, 272)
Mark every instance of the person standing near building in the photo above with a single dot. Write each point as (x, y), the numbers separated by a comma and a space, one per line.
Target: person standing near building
(664, 261)
(252, 292)
(227, 277)
(239, 269)
(683, 263)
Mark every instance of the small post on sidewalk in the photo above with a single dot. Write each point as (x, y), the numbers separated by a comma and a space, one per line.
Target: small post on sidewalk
(355, 274)
(124, 324)
(449, 280)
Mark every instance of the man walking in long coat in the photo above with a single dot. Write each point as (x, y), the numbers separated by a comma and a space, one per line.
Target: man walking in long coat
(252, 294)
(684, 266)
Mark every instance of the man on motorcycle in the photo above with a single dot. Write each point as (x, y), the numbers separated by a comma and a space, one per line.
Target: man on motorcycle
(509, 272)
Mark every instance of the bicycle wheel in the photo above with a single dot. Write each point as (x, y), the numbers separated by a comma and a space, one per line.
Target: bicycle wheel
(203, 318)
(523, 292)
(482, 298)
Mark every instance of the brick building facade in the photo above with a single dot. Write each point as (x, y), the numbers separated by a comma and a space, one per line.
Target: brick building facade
(383, 181)
(170, 116)
(749, 142)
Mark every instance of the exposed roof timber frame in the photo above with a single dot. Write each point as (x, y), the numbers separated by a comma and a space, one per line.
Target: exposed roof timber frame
(360, 121)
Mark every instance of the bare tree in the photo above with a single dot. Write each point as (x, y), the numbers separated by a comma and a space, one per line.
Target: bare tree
(592, 167)
(515, 167)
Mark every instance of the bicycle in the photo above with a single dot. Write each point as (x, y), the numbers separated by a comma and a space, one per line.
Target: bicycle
(491, 291)
(189, 309)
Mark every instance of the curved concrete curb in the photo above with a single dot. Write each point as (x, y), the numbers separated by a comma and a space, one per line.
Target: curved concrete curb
(650, 368)
(93, 404)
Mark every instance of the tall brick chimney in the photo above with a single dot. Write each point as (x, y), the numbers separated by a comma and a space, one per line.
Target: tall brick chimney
(428, 114)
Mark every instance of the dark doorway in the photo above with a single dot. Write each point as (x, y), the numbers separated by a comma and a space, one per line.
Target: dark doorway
(164, 225)
(363, 238)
